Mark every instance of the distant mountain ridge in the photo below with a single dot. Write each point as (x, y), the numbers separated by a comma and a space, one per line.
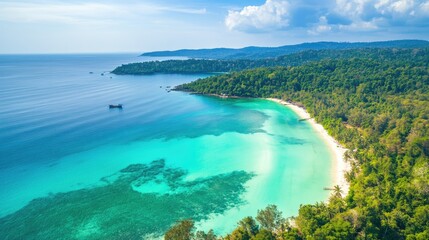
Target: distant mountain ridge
(269, 52)
(195, 66)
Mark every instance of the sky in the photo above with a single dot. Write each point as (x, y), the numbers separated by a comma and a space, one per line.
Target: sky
(59, 26)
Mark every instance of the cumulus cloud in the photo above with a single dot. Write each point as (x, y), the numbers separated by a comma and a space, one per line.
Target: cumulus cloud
(321, 27)
(274, 14)
(402, 6)
(318, 17)
(384, 13)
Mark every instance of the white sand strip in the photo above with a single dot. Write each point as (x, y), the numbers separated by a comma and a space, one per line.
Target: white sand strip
(340, 166)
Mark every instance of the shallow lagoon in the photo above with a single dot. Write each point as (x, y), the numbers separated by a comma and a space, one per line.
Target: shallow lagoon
(71, 161)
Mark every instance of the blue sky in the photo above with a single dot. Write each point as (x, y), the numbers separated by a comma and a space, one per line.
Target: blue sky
(58, 26)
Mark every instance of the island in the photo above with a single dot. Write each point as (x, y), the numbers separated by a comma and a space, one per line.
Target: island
(272, 52)
(376, 108)
(373, 101)
(197, 66)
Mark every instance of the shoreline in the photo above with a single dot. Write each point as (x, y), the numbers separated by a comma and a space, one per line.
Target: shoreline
(340, 167)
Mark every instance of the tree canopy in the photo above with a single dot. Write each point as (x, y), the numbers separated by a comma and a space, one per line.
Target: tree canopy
(194, 66)
(379, 109)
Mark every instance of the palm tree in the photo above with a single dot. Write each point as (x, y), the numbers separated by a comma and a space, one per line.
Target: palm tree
(337, 191)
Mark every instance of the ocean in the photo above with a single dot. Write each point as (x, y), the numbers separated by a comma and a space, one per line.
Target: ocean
(71, 168)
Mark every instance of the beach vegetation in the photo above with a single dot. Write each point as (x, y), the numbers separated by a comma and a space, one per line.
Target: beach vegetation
(377, 108)
(183, 230)
(270, 218)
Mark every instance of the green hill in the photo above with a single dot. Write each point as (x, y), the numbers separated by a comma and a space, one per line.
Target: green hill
(192, 66)
(269, 52)
(377, 108)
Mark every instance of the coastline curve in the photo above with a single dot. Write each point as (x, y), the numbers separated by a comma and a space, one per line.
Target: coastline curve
(340, 166)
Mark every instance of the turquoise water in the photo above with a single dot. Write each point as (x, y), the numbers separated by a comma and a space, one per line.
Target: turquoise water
(71, 168)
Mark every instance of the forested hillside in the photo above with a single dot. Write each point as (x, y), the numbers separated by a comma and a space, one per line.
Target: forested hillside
(192, 66)
(270, 52)
(377, 108)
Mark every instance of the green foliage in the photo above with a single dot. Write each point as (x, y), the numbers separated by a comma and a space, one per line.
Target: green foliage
(270, 218)
(290, 234)
(312, 217)
(264, 235)
(338, 228)
(183, 66)
(193, 66)
(201, 235)
(248, 226)
(266, 52)
(379, 108)
(273, 226)
(183, 230)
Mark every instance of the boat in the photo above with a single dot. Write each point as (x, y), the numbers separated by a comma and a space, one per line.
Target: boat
(115, 106)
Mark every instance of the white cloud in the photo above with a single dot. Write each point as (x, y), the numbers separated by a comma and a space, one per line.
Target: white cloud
(383, 14)
(76, 13)
(183, 10)
(64, 13)
(360, 26)
(321, 17)
(321, 27)
(395, 6)
(352, 8)
(366, 10)
(423, 10)
(425, 6)
(271, 15)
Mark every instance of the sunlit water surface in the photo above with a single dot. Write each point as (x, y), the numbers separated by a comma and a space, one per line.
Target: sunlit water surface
(71, 168)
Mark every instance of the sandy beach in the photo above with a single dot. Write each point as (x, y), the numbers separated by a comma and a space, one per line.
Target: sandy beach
(340, 166)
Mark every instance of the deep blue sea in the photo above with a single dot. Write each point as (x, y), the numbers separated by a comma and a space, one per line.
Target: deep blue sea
(71, 168)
